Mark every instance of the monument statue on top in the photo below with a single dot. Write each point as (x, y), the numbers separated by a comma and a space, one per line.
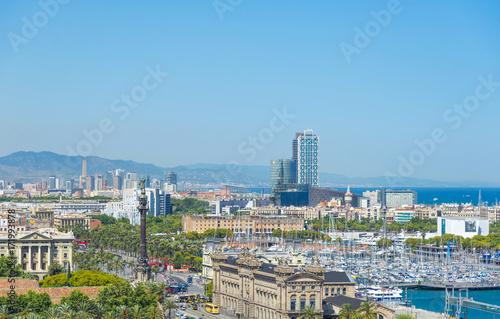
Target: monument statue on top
(142, 271)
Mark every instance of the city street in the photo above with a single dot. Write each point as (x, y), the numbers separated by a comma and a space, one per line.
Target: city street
(193, 288)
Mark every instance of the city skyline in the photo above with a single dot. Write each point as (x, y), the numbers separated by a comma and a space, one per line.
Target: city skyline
(380, 86)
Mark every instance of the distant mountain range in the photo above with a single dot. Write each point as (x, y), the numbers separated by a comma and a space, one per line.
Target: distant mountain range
(35, 166)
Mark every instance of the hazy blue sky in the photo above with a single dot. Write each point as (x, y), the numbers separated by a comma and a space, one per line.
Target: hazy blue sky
(233, 64)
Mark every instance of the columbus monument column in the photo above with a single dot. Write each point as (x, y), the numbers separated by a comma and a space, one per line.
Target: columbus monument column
(142, 271)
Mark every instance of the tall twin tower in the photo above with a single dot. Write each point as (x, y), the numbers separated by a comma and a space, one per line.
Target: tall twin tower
(302, 168)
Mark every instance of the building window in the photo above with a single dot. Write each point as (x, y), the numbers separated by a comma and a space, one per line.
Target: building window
(338, 291)
(66, 255)
(302, 303)
(313, 287)
(293, 287)
(292, 304)
(303, 288)
(312, 302)
(326, 292)
(343, 291)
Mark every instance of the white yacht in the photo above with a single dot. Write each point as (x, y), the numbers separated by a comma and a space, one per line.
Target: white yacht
(379, 294)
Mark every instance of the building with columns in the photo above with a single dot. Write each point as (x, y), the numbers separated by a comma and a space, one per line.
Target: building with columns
(252, 289)
(292, 252)
(37, 250)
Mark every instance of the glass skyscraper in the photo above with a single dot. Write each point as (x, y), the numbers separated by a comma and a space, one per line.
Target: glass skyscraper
(283, 171)
(307, 158)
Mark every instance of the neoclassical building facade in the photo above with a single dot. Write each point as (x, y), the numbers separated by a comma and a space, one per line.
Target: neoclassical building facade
(253, 289)
(35, 251)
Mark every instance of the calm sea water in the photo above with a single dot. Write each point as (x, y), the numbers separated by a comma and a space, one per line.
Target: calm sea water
(438, 195)
(434, 300)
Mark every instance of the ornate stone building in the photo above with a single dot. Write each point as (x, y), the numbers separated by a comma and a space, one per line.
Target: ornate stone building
(35, 251)
(253, 289)
(292, 253)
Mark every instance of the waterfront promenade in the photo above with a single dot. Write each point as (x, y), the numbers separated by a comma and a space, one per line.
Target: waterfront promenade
(417, 313)
(444, 285)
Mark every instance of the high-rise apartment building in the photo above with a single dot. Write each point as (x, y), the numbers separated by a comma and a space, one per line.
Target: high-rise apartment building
(52, 182)
(307, 158)
(373, 197)
(83, 177)
(117, 183)
(109, 179)
(170, 182)
(159, 202)
(98, 183)
(89, 183)
(69, 185)
(120, 172)
(398, 198)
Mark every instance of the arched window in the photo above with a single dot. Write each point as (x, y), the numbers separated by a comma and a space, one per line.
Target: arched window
(326, 291)
(293, 303)
(343, 291)
(338, 291)
(302, 302)
(312, 301)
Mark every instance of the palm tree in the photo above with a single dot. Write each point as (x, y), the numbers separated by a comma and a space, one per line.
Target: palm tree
(52, 313)
(110, 315)
(4, 312)
(169, 305)
(154, 314)
(116, 264)
(367, 311)
(309, 312)
(99, 311)
(347, 311)
(136, 312)
(122, 312)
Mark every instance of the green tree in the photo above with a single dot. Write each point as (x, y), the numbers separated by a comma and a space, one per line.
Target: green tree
(347, 311)
(9, 268)
(55, 269)
(75, 299)
(169, 305)
(309, 313)
(209, 288)
(33, 302)
(384, 242)
(367, 311)
(105, 219)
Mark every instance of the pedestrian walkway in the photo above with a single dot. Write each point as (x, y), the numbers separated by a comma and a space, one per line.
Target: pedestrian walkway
(418, 313)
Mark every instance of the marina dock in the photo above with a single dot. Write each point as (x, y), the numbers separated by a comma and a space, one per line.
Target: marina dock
(443, 286)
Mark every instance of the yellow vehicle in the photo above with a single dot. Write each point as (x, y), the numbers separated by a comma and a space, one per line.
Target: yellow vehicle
(194, 307)
(213, 309)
